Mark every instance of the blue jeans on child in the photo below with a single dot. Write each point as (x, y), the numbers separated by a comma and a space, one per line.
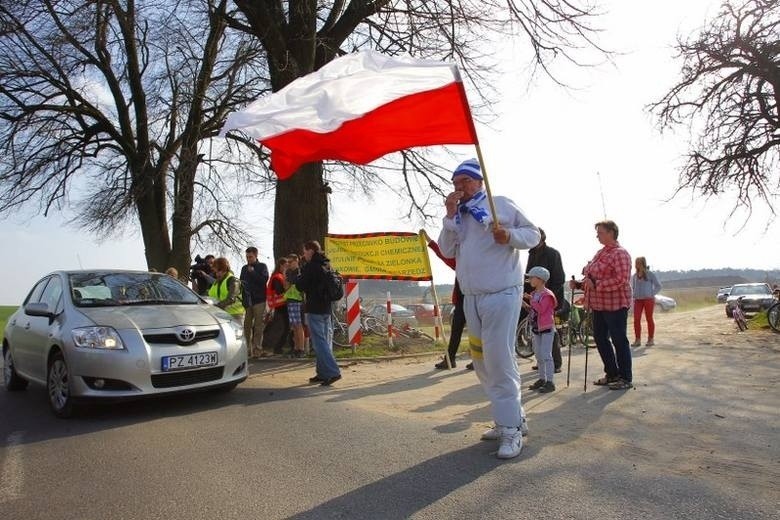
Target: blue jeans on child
(543, 344)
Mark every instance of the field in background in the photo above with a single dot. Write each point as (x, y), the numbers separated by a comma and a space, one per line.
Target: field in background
(688, 298)
(5, 312)
(691, 298)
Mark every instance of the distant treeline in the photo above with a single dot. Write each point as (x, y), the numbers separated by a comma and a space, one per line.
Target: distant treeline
(716, 277)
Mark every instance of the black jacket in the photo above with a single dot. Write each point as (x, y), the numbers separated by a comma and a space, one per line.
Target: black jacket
(549, 258)
(311, 282)
(254, 283)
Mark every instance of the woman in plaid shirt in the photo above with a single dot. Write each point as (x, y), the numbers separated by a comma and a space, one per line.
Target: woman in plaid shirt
(608, 295)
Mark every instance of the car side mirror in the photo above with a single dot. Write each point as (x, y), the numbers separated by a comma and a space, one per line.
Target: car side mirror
(38, 309)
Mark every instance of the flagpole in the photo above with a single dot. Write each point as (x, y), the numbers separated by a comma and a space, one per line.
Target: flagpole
(480, 158)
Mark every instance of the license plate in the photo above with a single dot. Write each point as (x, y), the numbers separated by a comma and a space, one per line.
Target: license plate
(187, 361)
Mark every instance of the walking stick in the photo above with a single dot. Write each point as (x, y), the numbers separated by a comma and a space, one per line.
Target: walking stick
(571, 311)
(585, 385)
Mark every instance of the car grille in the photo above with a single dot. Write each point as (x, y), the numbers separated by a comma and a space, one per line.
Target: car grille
(171, 338)
(190, 377)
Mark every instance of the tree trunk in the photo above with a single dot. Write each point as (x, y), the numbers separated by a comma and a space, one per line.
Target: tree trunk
(300, 210)
(181, 217)
(150, 205)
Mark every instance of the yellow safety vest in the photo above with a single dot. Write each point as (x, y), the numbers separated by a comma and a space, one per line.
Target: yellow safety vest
(219, 291)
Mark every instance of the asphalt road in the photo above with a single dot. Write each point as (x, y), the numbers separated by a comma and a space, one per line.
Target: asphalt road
(274, 450)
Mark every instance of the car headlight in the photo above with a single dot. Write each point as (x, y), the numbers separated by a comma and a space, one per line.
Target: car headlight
(238, 330)
(97, 337)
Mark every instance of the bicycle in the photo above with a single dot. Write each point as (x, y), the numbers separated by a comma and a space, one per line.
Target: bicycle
(585, 330)
(523, 346)
(773, 316)
(340, 332)
(739, 316)
(408, 331)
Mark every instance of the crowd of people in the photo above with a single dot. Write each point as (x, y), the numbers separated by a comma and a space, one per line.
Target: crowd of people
(271, 306)
(481, 239)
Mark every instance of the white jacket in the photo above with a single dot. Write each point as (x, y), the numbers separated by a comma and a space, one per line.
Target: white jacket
(483, 266)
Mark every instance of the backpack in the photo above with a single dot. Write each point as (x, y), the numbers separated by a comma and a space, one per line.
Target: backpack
(334, 284)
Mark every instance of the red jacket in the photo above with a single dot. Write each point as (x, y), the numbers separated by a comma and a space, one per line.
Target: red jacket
(450, 262)
(273, 298)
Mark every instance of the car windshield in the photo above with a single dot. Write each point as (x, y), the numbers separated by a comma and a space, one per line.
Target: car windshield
(105, 289)
(750, 289)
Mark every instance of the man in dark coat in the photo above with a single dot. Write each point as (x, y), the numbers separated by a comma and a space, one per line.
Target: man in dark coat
(549, 258)
(318, 309)
(254, 277)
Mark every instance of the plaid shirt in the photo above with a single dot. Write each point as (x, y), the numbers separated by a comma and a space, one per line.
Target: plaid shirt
(610, 269)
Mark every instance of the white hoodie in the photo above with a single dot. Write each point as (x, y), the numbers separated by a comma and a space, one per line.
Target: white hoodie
(483, 266)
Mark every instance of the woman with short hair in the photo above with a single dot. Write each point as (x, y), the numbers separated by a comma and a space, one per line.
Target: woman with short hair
(226, 290)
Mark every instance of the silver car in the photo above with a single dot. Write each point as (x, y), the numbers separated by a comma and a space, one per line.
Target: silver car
(665, 303)
(752, 297)
(401, 315)
(119, 334)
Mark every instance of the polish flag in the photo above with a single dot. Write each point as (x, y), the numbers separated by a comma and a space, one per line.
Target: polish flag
(358, 108)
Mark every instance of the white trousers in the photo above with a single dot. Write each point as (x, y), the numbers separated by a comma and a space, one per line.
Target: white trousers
(492, 323)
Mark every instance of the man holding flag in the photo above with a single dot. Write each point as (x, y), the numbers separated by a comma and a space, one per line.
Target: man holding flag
(489, 269)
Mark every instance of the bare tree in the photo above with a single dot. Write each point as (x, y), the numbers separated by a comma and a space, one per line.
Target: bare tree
(300, 36)
(104, 106)
(729, 95)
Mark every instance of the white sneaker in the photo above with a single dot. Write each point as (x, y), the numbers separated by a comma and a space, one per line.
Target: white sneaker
(493, 434)
(511, 443)
(524, 427)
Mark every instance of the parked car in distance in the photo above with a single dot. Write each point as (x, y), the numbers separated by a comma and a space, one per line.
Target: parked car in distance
(753, 297)
(723, 293)
(665, 303)
(401, 315)
(423, 312)
(91, 335)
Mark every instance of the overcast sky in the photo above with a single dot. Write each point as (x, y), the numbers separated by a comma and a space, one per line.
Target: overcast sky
(555, 152)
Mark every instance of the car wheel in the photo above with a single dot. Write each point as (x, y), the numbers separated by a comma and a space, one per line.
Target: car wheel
(729, 313)
(11, 379)
(58, 387)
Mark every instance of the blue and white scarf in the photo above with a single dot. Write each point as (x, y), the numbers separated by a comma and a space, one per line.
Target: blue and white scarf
(472, 206)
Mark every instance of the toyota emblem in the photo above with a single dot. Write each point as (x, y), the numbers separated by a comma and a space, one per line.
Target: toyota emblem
(186, 335)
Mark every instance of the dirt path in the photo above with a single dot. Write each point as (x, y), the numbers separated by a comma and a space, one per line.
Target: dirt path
(705, 406)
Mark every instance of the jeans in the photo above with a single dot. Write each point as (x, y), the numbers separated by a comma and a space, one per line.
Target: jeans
(612, 325)
(321, 334)
(647, 305)
(543, 344)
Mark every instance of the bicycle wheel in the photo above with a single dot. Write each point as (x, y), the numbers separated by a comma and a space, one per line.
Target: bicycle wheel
(741, 323)
(523, 346)
(425, 335)
(585, 333)
(340, 336)
(375, 326)
(773, 317)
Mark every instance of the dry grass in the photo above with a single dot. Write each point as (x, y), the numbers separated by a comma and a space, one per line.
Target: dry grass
(691, 298)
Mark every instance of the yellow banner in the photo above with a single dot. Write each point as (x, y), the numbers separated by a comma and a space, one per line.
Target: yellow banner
(389, 256)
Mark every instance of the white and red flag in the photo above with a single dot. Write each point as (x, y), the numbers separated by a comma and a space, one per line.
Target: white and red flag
(358, 108)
